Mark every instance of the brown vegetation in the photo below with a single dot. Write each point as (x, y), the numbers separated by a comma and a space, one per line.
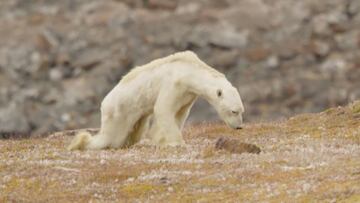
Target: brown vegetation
(310, 157)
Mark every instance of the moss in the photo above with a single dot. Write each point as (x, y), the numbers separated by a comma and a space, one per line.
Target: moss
(208, 152)
(206, 197)
(356, 107)
(51, 156)
(329, 111)
(33, 186)
(110, 177)
(141, 189)
(352, 199)
(12, 185)
(2, 167)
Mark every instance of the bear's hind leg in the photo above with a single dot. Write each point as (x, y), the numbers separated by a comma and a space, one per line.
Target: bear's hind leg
(140, 129)
(113, 133)
(98, 141)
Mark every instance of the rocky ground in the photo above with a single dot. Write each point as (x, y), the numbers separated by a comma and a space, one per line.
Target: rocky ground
(59, 58)
(307, 158)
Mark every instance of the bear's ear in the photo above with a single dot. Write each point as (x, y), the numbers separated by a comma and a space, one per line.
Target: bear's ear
(219, 93)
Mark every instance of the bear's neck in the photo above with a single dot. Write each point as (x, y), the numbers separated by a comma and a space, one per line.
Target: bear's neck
(203, 84)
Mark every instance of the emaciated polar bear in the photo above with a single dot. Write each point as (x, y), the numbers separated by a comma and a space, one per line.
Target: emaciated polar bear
(163, 90)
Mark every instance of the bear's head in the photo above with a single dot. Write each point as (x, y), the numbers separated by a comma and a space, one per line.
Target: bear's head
(226, 100)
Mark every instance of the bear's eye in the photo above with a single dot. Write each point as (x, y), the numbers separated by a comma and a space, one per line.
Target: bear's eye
(219, 93)
(235, 112)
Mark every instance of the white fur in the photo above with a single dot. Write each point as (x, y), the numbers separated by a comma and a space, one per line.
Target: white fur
(162, 91)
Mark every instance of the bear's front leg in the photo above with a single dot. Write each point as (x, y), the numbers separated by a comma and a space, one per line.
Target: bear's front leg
(165, 129)
(165, 132)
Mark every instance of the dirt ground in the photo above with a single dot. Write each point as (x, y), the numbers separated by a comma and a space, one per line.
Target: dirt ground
(307, 158)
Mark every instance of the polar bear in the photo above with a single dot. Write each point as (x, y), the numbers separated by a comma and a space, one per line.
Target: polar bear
(155, 99)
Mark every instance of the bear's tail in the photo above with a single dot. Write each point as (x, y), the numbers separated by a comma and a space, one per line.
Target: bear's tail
(80, 142)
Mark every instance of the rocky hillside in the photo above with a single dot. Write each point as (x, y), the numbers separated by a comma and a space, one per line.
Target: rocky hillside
(307, 158)
(59, 58)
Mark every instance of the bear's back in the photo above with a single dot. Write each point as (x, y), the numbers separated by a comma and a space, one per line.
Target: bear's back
(188, 56)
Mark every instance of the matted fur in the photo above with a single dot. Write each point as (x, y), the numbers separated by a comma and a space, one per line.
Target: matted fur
(188, 56)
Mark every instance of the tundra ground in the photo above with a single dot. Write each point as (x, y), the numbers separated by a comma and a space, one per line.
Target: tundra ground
(310, 157)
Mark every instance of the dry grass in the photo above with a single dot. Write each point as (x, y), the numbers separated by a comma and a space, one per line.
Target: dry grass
(312, 157)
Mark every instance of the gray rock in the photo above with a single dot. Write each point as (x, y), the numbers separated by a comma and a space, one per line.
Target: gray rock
(335, 64)
(58, 59)
(228, 37)
(56, 74)
(272, 62)
(348, 40)
(13, 119)
(353, 7)
(321, 48)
